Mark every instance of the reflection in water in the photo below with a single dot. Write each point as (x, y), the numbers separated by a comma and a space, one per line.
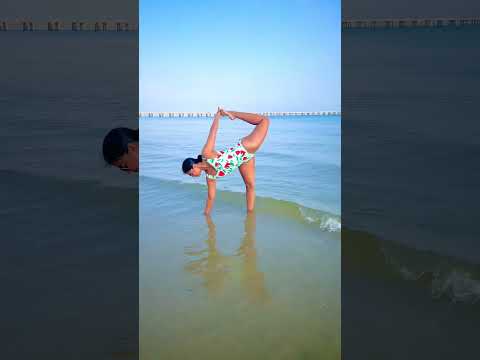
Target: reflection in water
(253, 279)
(214, 267)
(210, 264)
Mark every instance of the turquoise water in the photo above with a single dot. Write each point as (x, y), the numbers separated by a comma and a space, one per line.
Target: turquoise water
(235, 285)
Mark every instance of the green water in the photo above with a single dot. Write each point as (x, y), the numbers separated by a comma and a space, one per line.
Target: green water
(234, 286)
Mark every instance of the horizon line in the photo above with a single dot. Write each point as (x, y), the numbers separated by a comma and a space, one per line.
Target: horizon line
(210, 114)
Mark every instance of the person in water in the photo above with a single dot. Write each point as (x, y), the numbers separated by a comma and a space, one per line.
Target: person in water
(120, 149)
(218, 164)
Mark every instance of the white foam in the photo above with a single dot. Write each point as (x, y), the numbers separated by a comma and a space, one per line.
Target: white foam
(325, 221)
(458, 285)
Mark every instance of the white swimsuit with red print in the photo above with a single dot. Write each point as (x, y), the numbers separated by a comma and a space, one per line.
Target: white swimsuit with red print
(228, 160)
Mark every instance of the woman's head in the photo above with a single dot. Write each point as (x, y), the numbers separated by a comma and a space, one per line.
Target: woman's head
(189, 166)
(120, 149)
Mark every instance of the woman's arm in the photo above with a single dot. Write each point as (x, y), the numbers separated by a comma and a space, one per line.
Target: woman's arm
(208, 150)
(212, 191)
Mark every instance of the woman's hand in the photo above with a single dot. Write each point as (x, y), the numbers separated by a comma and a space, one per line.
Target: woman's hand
(220, 112)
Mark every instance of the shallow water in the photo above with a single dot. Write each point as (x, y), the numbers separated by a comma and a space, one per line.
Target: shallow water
(234, 286)
(238, 286)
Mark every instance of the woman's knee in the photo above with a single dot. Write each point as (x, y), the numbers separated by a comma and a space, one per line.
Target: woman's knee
(250, 185)
(265, 122)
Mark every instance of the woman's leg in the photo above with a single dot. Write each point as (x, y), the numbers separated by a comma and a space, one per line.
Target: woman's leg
(247, 170)
(256, 138)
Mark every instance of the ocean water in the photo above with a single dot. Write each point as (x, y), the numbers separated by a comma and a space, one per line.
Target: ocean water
(238, 286)
(299, 161)
(417, 102)
(74, 99)
(410, 250)
(70, 223)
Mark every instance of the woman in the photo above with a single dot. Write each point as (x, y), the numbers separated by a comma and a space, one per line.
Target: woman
(242, 156)
(120, 149)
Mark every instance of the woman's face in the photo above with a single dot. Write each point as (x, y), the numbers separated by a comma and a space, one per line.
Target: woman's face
(129, 162)
(195, 171)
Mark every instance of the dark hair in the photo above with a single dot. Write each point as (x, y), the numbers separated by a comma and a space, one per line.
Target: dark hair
(115, 143)
(187, 164)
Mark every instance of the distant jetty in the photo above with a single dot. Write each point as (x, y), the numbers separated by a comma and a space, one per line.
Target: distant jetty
(210, 114)
(109, 24)
(411, 22)
(26, 24)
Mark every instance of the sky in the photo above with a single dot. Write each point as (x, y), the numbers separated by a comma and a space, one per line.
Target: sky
(247, 55)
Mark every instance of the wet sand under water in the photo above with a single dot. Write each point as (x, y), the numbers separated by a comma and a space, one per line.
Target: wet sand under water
(234, 286)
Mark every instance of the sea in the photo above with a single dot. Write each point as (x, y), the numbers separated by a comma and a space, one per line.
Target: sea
(70, 222)
(235, 285)
(410, 149)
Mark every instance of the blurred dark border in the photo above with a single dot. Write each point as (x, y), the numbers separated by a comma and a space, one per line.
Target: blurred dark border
(410, 175)
(70, 224)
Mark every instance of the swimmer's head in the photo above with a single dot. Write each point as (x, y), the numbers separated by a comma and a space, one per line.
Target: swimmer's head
(120, 149)
(189, 166)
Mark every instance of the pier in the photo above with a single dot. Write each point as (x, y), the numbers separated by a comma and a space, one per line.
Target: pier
(209, 114)
(71, 25)
(118, 25)
(386, 23)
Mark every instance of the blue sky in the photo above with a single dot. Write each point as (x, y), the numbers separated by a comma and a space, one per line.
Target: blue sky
(243, 55)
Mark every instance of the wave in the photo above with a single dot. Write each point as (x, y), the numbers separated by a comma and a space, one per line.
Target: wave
(317, 218)
(442, 276)
(457, 285)
(283, 208)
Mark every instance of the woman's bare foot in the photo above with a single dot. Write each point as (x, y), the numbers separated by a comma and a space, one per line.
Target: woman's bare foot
(228, 114)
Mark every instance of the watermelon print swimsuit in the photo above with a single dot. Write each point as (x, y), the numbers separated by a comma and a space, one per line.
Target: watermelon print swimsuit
(228, 160)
